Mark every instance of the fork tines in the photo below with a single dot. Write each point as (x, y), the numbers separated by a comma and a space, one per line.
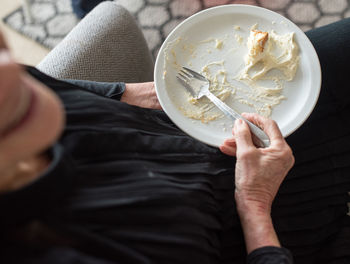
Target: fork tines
(184, 75)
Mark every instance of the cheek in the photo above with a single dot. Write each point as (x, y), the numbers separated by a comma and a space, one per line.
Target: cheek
(10, 93)
(41, 130)
(48, 120)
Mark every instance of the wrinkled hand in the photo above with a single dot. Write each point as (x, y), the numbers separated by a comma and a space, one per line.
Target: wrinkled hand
(141, 94)
(259, 171)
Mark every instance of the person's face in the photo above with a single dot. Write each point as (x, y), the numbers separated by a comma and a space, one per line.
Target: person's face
(31, 116)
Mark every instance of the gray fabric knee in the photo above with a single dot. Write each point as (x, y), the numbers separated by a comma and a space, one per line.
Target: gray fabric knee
(107, 45)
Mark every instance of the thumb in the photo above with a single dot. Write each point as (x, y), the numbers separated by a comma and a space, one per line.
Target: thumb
(242, 135)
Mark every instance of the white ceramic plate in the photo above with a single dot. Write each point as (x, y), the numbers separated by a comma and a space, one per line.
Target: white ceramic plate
(219, 22)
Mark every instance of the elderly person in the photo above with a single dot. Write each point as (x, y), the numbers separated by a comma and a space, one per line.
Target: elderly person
(96, 173)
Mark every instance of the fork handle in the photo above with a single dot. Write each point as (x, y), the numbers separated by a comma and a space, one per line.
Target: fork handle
(259, 137)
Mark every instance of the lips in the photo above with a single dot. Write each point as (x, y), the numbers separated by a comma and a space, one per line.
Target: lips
(24, 117)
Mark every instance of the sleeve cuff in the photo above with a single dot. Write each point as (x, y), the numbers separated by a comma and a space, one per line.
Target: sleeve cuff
(112, 90)
(270, 255)
(117, 91)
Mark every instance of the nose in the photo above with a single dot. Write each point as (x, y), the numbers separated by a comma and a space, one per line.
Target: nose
(10, 92)
(2, 42)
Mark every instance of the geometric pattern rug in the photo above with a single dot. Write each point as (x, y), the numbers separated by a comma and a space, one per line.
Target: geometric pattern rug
(53, 19)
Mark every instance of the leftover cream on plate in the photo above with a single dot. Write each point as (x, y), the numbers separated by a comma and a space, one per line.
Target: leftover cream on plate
(271, 60)
(268, 51)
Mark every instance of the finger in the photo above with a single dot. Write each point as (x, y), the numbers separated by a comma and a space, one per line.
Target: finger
(268, 125)
(242, 135)
(230, 142)
(229, 146)
(228, 150)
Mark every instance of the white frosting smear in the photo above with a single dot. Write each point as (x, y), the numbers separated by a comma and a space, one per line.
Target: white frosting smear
(268, 51)
(270, 61)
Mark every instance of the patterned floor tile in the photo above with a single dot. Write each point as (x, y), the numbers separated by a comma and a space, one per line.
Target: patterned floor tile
(157, 18)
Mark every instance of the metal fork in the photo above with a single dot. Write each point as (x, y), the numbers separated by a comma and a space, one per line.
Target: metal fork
(198, 86)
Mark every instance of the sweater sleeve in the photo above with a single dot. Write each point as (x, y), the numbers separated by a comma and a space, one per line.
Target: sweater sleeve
(112, 90)
(270, 255)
